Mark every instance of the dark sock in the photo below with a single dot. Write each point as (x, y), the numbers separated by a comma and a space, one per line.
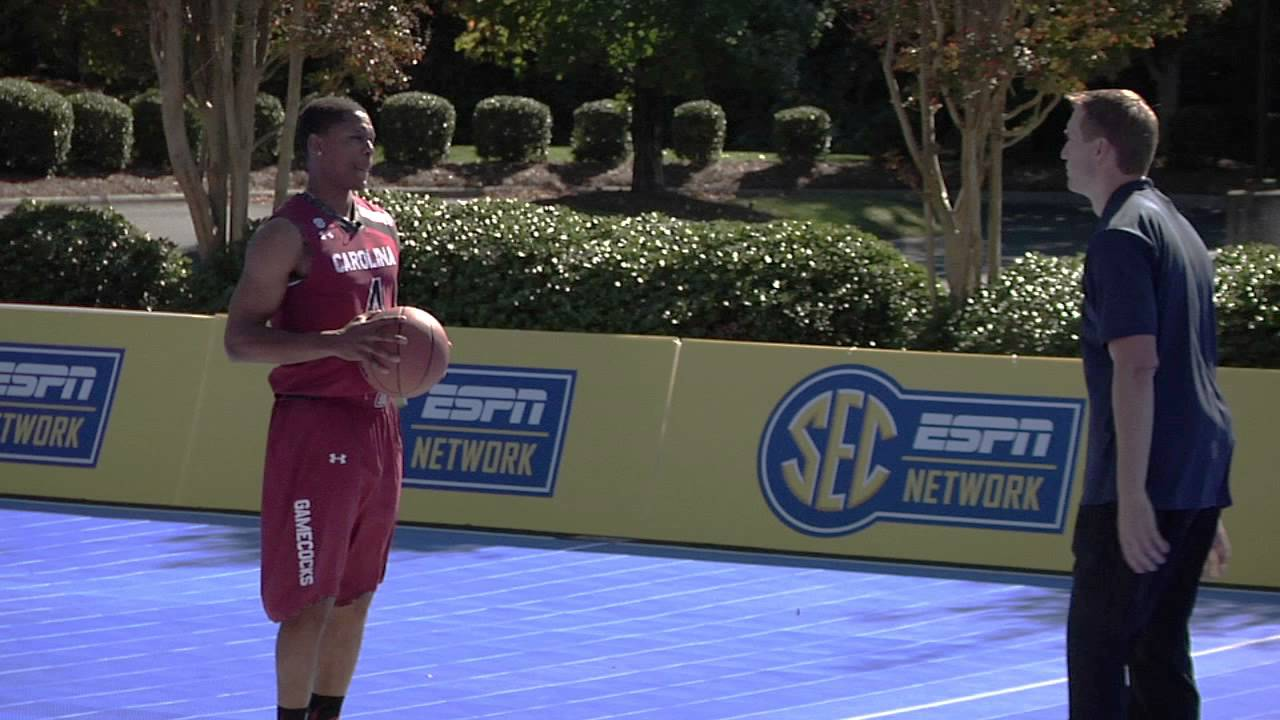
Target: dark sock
(284, 713)
(325, 707)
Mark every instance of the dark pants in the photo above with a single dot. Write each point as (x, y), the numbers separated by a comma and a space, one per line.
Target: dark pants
(1120, 620)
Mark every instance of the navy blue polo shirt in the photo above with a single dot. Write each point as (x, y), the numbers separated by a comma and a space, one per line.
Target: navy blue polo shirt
(1147, 272)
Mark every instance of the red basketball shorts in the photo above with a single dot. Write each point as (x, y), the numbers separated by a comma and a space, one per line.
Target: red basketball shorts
(330, 493)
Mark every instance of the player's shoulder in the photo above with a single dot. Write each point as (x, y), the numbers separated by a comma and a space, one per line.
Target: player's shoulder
(371, 212)
(277, 235)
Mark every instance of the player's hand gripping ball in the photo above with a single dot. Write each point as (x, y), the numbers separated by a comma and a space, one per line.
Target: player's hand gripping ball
(424, 359)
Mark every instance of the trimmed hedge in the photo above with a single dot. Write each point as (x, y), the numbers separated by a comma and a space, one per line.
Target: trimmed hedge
(512, 129)
(268, 119)
(76, 255)
(602, 132)
(1033, 308)
(802, 134)
(36, 125)
(1247, 299)
(103, 134)
(508, 264)
(416, 128)
(149, 146)
(697, 132)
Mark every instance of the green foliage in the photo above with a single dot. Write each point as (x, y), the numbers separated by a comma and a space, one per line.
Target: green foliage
(697, 132)
(149, 146)
(268, 119)
(802, 134)
(512, 128)
(1032, 309)
(103, 134)
(36, 124)
(783, 281)
(602, 132)
(675, 46)
(76, 255)
(1247, 299)
(416, 128)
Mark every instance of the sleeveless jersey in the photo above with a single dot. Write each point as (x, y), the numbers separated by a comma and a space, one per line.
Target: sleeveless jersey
(354, 267)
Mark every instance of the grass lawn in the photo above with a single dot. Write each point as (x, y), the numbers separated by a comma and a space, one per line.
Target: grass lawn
(560, 154)
(888, 215)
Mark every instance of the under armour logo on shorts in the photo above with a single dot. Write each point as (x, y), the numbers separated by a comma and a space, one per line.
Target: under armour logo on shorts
(337, 458)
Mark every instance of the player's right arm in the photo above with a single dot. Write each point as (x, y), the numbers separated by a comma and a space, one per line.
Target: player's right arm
(274, 254)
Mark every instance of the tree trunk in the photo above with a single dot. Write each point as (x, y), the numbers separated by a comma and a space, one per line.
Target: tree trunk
(646, 166)
(167, 52)
(995, 201)
(1166, 69)
(293, 98)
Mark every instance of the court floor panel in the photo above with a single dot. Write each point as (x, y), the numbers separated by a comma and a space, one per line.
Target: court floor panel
(138, 614)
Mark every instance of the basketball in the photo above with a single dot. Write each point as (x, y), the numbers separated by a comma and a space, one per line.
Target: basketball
(423, 361)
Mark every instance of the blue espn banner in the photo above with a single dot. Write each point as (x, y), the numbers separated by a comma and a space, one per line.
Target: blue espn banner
(55, 402)
(489, 429)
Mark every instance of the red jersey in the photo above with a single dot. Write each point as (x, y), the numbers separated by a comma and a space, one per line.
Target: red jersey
(354, 267)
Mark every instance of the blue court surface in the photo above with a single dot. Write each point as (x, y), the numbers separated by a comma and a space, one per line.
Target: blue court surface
(144, 614)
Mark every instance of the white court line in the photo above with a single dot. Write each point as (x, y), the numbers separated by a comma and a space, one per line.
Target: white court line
(1034, 686)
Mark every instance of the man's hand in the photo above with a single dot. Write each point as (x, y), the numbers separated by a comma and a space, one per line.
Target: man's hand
(373, 342)
(1215, 565)
(1144, 548)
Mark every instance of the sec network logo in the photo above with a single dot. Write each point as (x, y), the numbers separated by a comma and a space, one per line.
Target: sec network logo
(848, 446)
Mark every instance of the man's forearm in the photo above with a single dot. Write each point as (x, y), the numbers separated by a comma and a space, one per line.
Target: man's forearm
(1133, 411)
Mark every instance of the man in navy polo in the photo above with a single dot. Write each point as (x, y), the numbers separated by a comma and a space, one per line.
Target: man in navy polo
(1160, 437)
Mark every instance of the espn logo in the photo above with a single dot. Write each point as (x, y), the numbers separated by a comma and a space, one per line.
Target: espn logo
(489, 429)
(55, 402)
(485, 404)
(46, 381)
(980, 434)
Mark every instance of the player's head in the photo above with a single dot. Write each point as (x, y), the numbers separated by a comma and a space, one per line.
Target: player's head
(1125, 121)
(337, 136)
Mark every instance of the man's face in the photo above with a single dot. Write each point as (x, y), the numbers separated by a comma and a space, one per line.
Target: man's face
(1081, 155)
(344, 152)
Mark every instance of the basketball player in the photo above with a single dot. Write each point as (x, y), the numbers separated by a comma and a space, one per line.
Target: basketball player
(1160, 434)
(331, 484)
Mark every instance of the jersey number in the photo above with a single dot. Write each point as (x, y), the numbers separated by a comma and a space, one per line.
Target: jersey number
(375, 301)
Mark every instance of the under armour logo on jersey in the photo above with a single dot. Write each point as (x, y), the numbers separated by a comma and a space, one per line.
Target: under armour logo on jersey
(337, 458)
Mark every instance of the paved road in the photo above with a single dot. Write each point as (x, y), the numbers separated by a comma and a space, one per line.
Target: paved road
(163, 216)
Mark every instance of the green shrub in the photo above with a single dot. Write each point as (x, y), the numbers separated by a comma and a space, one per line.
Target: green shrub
(511, 128)
(36, 125)
(149, 147)
(1247, 299)
(1032, 309)
(416, 128)
(103, 135)
(75, 255)
(268, 119)
(602, 132)
(697, 132)
(802, 134)
(783, 281)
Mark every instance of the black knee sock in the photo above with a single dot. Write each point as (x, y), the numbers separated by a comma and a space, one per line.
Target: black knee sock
(284, 713)
(325, 707)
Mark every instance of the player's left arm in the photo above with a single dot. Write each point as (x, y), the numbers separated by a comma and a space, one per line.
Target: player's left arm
(1134, 362)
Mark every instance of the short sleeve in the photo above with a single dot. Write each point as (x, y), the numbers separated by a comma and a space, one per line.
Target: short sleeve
(1120, 282)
